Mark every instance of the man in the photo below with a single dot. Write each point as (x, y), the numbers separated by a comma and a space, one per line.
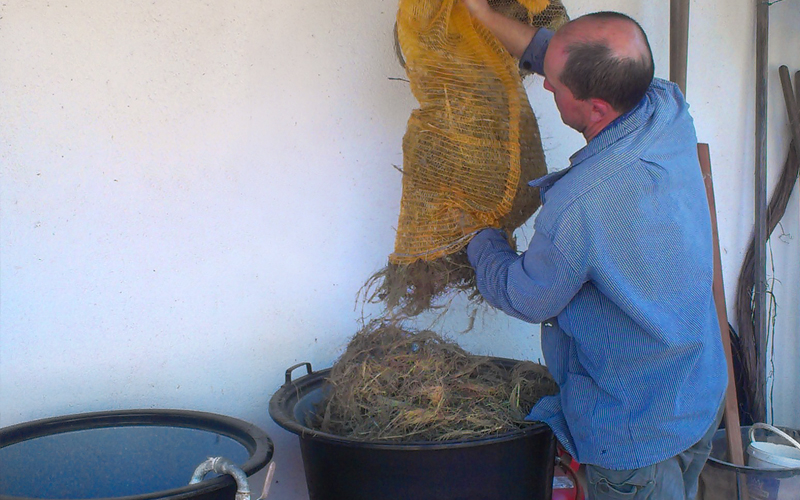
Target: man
(619, 269)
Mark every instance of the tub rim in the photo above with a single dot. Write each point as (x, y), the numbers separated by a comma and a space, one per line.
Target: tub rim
(256, 441)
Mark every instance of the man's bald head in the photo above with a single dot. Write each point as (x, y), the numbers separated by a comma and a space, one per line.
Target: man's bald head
(607, 57)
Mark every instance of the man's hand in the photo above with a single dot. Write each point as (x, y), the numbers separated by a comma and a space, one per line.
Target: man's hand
(514, 35)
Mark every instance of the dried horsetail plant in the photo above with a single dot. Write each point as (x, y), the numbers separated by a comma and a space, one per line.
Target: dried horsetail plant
(397, 385)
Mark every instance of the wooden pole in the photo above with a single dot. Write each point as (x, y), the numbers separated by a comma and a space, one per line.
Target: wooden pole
(760, 228)
(678, 42)
(731, 412)
(791, 106)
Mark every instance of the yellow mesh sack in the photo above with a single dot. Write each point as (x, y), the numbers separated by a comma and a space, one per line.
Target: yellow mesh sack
(473, 143)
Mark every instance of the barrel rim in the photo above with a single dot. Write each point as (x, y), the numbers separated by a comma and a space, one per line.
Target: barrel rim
(255, 440)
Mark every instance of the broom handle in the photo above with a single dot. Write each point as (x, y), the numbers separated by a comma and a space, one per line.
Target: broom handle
(731, 412)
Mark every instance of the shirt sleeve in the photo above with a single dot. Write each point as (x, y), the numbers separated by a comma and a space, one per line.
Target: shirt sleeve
(534, 286)
(533, 57)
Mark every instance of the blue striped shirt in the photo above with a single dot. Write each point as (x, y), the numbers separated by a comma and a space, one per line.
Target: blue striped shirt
(619, 273)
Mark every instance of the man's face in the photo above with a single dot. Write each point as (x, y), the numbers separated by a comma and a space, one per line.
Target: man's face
(574, 113)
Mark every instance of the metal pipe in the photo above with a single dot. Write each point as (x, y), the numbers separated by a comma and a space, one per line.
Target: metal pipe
(760, 228)
(678, 42)
(222, 465)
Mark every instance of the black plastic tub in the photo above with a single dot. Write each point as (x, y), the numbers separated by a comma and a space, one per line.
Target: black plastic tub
(513, 466)
(127, 455)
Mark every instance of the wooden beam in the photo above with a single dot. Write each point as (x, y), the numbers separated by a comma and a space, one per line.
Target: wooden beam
(678, 42)
(731, 412)
(760, 228)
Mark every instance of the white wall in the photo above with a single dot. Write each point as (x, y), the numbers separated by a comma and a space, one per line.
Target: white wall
(784, 267)
(193, 193)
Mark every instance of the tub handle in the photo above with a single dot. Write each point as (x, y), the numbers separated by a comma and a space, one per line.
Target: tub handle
(222, 465)
(772, 428)
(298, 365)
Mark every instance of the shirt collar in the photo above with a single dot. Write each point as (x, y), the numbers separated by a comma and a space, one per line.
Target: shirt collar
(548, 180)
(620, 127)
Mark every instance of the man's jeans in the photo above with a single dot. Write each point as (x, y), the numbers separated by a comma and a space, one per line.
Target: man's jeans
(672, 479)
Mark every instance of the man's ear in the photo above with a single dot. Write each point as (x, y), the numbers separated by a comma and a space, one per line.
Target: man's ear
(601, 111)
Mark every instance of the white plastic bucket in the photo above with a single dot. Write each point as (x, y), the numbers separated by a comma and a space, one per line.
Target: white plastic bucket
(722, 480)
(764, 455)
